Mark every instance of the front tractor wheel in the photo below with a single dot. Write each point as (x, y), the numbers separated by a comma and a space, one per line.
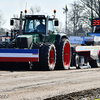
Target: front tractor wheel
(47, 56)
(64, 55)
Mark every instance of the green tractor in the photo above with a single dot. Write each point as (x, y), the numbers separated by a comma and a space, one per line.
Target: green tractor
(39, 35)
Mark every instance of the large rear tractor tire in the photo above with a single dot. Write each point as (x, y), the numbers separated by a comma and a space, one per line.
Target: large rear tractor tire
(47, 57)
(64, 55)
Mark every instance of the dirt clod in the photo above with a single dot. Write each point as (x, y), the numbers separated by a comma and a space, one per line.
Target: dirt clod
(82, 95)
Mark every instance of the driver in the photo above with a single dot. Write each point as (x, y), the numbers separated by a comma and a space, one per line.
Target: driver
(41, 26)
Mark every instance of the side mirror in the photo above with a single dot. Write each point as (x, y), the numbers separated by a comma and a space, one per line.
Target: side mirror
(56, 23)
(11, 22)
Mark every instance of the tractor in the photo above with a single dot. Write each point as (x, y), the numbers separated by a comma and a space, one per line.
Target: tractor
(38, 44)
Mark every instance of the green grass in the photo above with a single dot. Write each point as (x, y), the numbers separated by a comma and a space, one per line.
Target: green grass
(97, 99)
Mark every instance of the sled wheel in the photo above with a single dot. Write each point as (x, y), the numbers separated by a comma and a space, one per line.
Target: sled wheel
(94, 63)
(77, 61)
(98, 63)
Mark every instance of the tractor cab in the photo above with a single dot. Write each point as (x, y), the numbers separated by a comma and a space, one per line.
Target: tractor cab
(34, 24)
(39, 24)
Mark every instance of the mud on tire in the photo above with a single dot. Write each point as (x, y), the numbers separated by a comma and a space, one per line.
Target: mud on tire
(47, 57)
(63, 55)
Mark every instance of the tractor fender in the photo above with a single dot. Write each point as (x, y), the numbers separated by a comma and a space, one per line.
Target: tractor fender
(59, 37)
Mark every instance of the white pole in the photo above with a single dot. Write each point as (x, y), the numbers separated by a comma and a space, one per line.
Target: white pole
(66, 23)
(65, 11)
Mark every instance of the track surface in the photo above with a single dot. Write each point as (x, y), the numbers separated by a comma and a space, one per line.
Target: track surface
(39, 85)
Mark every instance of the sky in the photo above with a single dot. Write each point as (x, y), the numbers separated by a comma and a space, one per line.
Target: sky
(10, 7)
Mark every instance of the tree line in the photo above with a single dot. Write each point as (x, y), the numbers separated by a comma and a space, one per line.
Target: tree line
(80, 12)
(31, 10)
(78, 15)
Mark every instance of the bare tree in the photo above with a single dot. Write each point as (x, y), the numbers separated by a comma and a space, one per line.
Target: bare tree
(2, 21)
(80, 12)
(74, 17)
(16, 22)
(31, 11)
(34, 9)
(91, 5)
(60, 28)
(91, 9)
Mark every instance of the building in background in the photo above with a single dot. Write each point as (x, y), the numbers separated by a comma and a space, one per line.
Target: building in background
(80, 32)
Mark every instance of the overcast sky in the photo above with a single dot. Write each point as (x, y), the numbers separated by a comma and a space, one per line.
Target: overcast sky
(10, 7)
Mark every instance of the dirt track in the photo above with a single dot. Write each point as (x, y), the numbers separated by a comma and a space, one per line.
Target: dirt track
(39, 85)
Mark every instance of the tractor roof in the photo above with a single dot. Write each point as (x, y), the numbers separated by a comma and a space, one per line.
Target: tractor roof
(38, 15)
(42, 13)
